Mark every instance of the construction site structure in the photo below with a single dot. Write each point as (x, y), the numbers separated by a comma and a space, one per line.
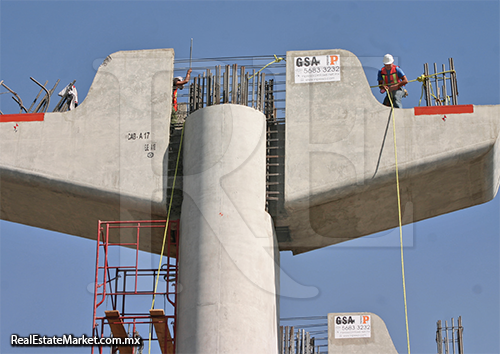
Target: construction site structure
(125, 292)
(338, 178)
(336, 333)
(447, 336)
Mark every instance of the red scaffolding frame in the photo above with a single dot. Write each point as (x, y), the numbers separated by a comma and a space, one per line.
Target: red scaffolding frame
(118, 278)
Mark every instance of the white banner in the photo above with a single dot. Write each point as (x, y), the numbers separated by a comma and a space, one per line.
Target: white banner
(358, 326)
(322, 68)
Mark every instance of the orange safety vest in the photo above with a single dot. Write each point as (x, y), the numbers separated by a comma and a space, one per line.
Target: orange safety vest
(392, 78)
(174, 100)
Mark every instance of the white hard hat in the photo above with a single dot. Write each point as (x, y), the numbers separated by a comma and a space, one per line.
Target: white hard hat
(388, 59)
(178, 78)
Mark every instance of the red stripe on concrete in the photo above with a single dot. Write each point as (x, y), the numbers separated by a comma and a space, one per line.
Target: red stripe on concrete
(457, 109)
(26, 117)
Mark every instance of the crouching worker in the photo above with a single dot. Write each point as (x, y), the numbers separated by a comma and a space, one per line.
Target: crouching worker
(392, 79)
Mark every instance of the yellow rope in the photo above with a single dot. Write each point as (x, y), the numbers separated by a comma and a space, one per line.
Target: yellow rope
(400, 223)
(166, 228)
(276, 60)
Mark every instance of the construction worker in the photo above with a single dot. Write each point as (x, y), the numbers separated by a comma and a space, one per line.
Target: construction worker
(179, 84)
(393, 79)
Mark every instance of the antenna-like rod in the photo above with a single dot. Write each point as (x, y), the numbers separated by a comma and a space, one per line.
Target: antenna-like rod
(191, 53)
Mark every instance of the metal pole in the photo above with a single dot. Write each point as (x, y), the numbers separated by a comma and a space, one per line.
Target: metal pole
(191, 98)
(209, 88)
(439, 338)
(234, 85)
(203, 90)
(453, 332)
(438, 97)
(302, 341)
(190, 53)
(262, 91)
(454, 84)
(195, 93)
(252, 102)
(445, 92)
(39, 92)
(217, 85)
(16, 98)
(447, 347)
(242, 86)
(460, 338)
(225, 89)
(427, 85)
(246, 89)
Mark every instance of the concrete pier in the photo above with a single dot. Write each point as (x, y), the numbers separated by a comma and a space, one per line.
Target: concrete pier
(228, 252)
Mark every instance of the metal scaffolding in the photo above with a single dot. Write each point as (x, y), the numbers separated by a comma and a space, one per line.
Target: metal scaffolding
(123, 291)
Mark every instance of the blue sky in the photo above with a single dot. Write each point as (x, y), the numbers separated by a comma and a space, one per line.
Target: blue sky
(452, 261)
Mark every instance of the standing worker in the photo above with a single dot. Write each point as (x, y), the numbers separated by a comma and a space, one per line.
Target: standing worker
(393, 79)
(179, 84)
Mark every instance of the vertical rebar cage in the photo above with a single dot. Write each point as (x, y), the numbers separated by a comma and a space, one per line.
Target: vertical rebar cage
(245, 83)
(296, 340)
(441, 93)
(450, 336)
(229, 85)
(125, 284)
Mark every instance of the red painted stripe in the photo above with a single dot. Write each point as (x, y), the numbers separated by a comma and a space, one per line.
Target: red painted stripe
(457, 109)
(25, 117)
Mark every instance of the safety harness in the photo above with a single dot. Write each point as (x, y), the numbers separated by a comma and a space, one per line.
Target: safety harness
(392, 78)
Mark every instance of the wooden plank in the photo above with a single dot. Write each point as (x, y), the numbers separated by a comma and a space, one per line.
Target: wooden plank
(162, 332)
(118, 330)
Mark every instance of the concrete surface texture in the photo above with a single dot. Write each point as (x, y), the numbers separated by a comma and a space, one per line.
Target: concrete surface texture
(340, 167)
(105, 160)
(229, 258)
(359, 332)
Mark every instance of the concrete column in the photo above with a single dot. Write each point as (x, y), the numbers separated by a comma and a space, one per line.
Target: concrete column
(229, 274)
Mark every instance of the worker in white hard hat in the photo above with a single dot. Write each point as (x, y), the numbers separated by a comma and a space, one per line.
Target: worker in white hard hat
(392, 79)
(179, 83)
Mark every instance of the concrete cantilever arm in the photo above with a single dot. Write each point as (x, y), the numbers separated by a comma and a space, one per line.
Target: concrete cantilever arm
(340, 170)
(105, 160)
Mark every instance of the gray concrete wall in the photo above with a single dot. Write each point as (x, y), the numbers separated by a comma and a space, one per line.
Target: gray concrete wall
(375, 341)
(73, 168)
(229, 259)
(340, 169)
